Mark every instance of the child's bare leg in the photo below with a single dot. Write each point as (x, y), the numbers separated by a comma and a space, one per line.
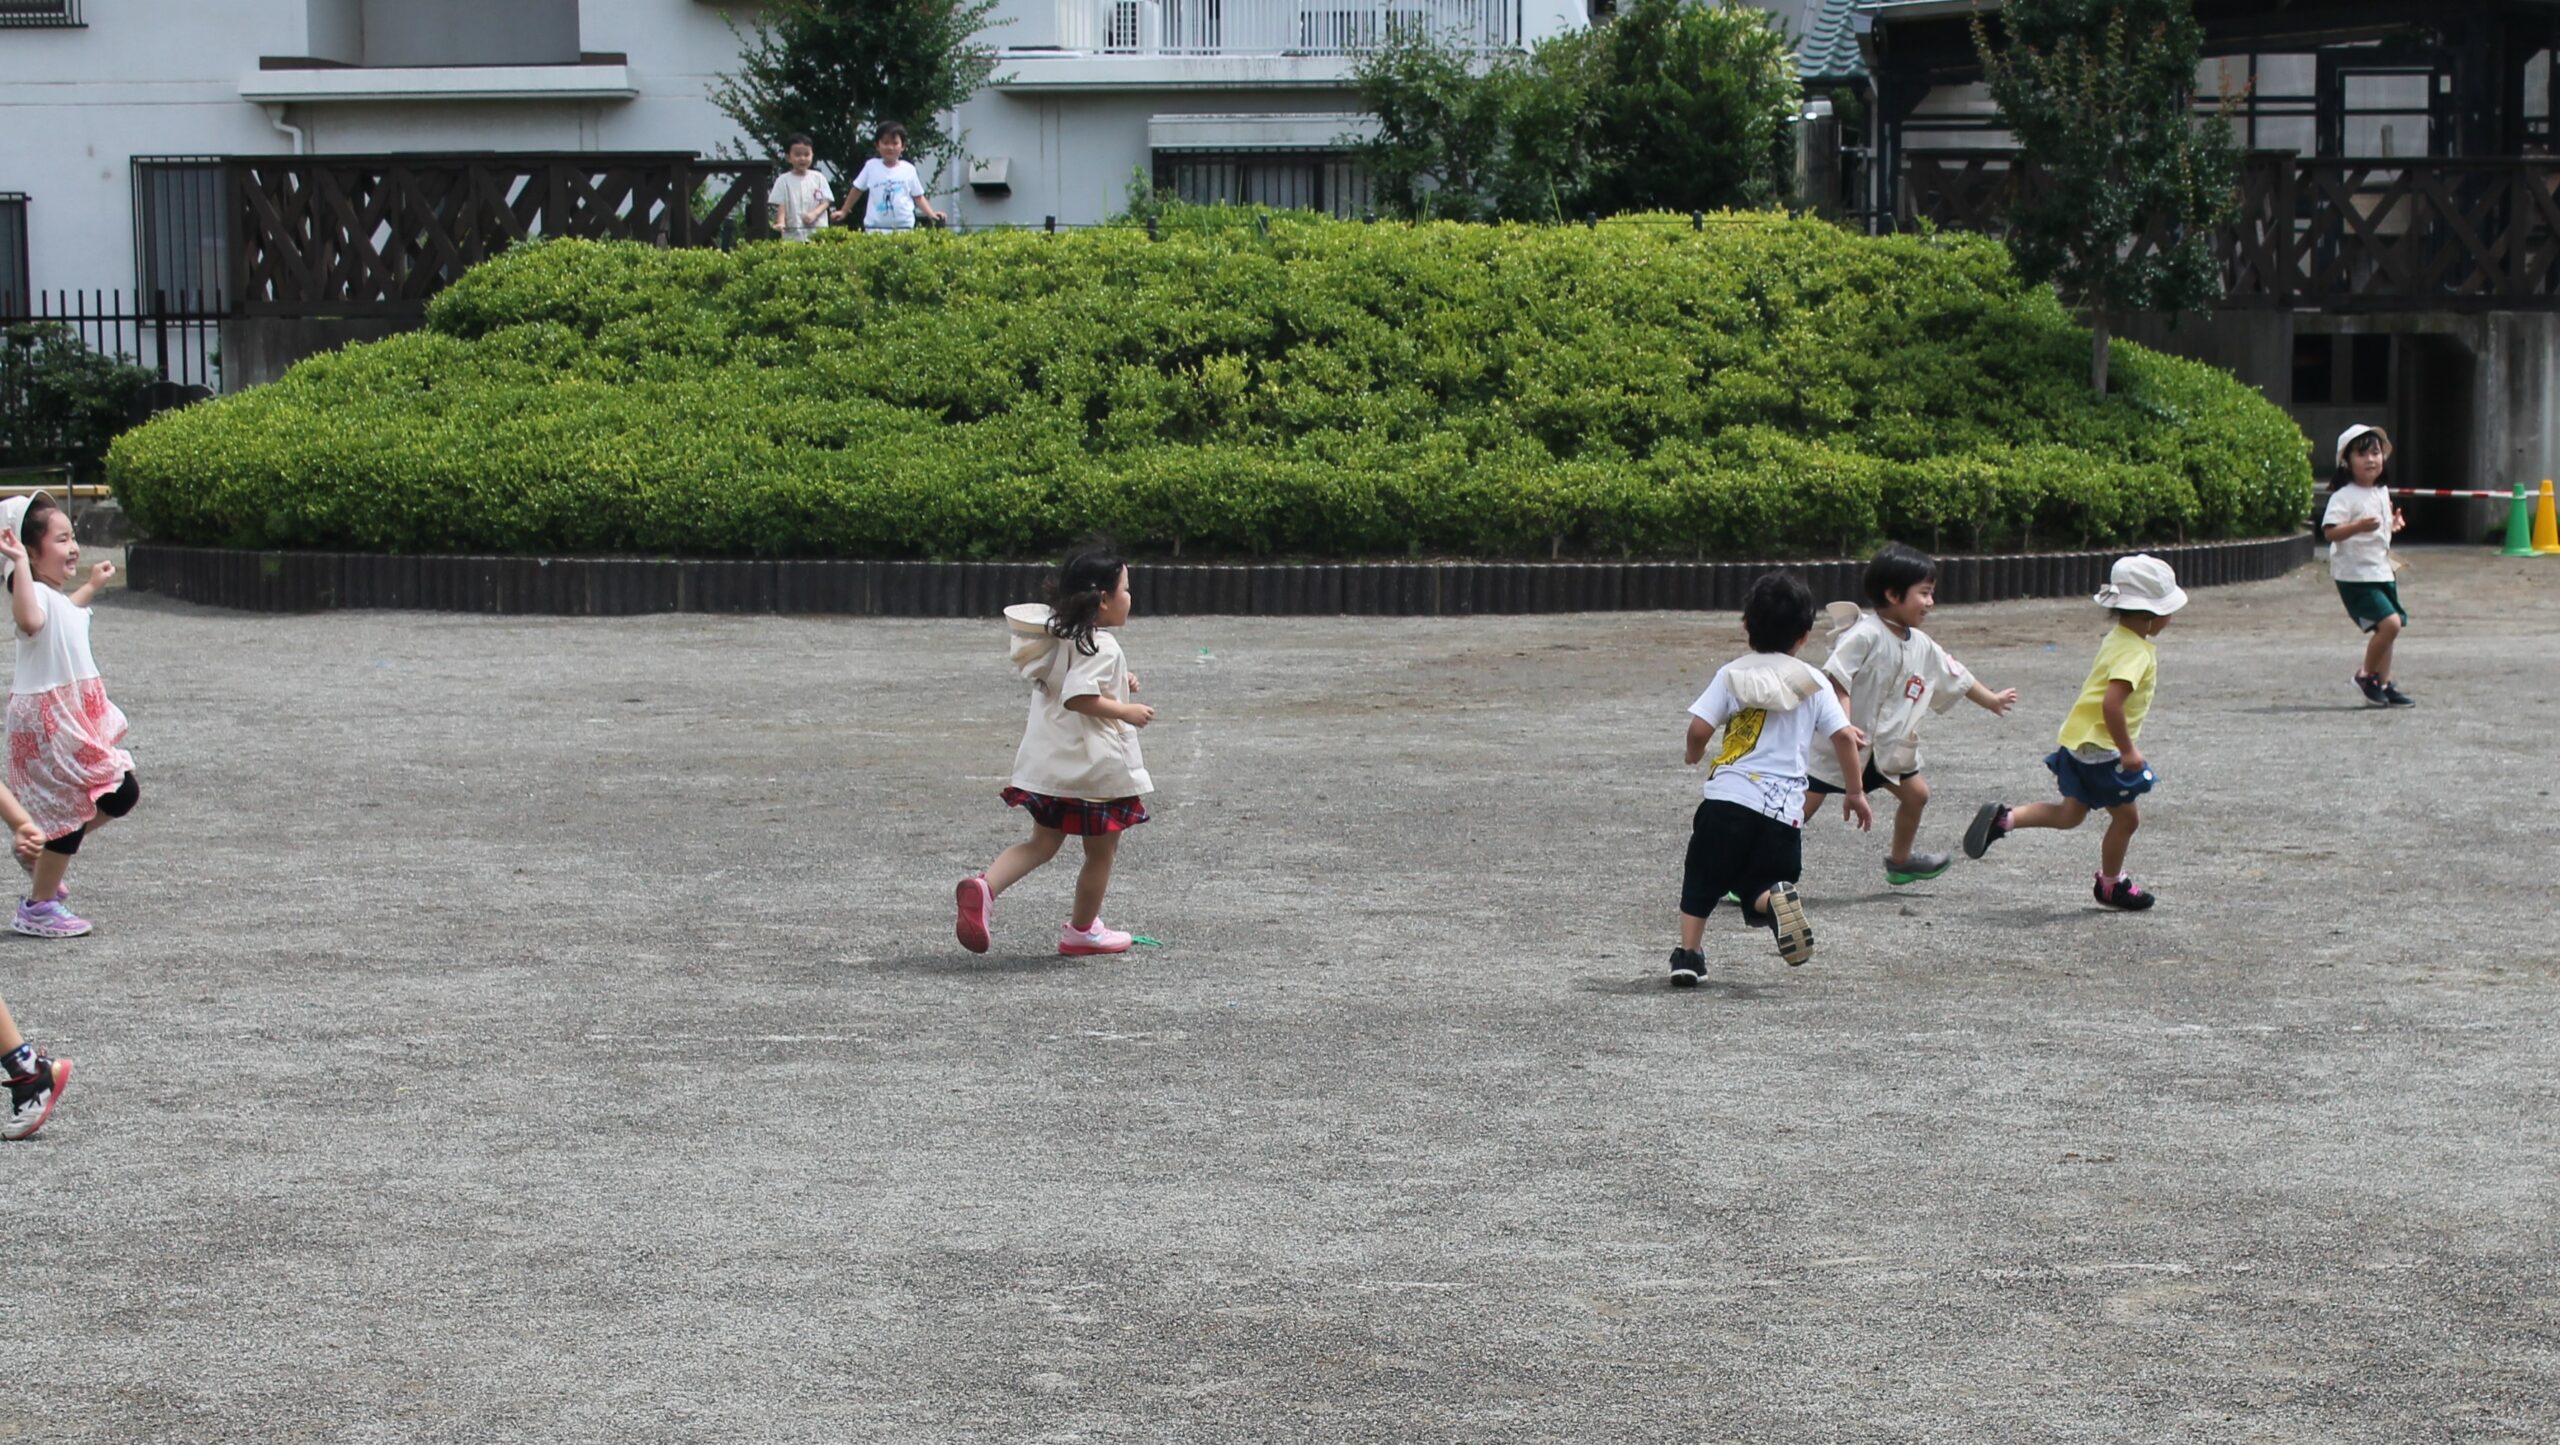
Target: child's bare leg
(1909, 796)
(50, 866)
(1094, 879)
(2065, 815)
(10, 1039)
(2121, 822)
(2377, 648)
(1016, 862)
(1693, 931)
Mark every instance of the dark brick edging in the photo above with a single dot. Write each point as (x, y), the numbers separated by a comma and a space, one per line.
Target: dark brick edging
(624, 586)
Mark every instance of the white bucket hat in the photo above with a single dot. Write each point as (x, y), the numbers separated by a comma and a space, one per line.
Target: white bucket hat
(2142, 583)
(2348, 437)
(13, 515)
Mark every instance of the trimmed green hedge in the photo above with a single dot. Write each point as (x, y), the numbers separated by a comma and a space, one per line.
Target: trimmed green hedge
(1763, 387)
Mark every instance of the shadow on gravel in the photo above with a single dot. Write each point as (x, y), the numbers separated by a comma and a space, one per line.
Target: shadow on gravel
(993, 965)
(1653, 983)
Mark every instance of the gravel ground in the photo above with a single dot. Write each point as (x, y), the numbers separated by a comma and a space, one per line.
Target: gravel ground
(550, 1030)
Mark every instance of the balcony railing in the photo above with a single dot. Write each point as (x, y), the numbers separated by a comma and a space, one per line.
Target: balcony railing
(1284, 27)
(2330, 234)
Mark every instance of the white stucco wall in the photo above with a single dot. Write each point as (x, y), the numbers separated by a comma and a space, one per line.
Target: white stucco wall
(167, 77)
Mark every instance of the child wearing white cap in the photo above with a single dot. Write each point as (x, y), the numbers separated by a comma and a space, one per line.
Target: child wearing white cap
(2098, 762)
(67, 763)
(2359, 524)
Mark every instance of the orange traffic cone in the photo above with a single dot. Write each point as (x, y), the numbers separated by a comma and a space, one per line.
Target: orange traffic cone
(2546, 525)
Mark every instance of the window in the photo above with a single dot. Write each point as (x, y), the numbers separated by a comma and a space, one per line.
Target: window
(2369, 370)
(39, 14)
(16, 289)
(1330, 183)
(179, 227)
(2314, 370)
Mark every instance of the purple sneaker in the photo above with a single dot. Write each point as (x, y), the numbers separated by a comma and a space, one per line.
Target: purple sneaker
(48, 919)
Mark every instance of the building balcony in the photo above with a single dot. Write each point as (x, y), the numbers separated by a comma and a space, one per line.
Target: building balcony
(1242, 44)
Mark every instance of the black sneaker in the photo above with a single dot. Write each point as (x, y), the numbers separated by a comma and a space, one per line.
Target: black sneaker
(31, 1099)
(1787, 920)
(2375, 691)
(1989, 826)
(2392, 694)
(1687, 966)
(2122, 893)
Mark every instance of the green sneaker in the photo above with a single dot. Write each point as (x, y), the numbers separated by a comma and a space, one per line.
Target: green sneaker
(1918, 868)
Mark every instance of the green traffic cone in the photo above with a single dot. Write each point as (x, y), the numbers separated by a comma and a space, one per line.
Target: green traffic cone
(2519, 526)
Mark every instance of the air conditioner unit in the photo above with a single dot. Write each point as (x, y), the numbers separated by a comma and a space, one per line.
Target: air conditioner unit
(1131, 27)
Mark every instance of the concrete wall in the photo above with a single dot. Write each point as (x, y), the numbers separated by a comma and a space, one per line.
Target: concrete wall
(2474, 404)
(471, 32)
(1071, 155)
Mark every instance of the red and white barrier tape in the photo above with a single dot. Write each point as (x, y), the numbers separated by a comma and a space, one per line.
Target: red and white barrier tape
(2444, 492)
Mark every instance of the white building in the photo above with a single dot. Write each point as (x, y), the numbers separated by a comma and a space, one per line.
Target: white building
(88, 87)
(1212, 100)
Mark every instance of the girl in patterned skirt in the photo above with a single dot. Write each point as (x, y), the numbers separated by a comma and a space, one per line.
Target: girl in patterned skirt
(1078, 769)
(67, 762)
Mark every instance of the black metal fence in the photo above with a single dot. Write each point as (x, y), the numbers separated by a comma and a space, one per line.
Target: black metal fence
(178, 336)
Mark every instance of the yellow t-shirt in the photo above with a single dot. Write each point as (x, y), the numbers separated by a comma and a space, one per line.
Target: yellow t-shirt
(2126, 656)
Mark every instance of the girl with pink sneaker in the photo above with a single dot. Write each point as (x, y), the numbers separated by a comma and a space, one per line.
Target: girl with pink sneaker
(1078, 769)
(67, 762)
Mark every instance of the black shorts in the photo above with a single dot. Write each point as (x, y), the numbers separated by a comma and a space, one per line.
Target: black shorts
(1737, 850)
(113, 805)
(1873, 781)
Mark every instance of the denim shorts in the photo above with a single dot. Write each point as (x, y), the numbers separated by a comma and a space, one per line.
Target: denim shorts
(2097, 784)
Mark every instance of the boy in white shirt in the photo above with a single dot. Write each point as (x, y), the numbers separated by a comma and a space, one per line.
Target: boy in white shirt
(893, 194)
(800, 195)
(1891, 676)
(2359, 524)
(1747, 838)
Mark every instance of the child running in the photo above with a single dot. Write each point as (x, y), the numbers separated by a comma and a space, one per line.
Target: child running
(1078, 769)
(2359, 524)
(1747, 838)
(2099, 763)
(67, 762)
(36, 1080)
(1891, 675)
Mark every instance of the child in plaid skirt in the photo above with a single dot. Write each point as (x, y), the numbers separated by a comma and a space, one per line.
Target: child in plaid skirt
(1078, 769)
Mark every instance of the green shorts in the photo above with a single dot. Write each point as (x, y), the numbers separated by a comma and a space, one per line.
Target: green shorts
(2370, 602)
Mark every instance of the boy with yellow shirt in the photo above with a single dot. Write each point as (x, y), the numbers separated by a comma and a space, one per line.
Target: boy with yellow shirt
(2099, 762)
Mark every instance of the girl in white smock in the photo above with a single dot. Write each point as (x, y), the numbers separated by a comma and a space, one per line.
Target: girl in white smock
(1078, 769)
(67, 762)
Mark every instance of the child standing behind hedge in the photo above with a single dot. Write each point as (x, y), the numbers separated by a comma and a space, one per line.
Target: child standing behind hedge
(1078, 769)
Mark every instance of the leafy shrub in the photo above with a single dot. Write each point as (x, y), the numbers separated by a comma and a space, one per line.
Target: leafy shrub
(59, 400)
(1760, 387)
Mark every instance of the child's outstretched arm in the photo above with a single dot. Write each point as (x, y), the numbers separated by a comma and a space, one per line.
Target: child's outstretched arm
(1699, 731)
(1853, 803)
(24, 605)
(2128, 757)
(87, 592)
(1996, 703)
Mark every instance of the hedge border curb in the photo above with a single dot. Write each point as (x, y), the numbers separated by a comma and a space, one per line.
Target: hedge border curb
(632, 586)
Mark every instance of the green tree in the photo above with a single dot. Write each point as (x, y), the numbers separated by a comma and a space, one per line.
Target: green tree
(838, 68)
(59, 400)
(1671, 105)
(2129, 184)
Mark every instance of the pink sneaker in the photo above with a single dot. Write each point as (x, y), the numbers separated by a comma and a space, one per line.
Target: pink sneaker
(974, 900)
(1098, 939)
(48, 919)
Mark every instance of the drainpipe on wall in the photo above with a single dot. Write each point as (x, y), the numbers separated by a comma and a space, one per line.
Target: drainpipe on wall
(275, 117)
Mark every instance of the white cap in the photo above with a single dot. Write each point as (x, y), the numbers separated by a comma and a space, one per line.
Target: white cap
(13, 515)
(2142, 583)
(2348, 437)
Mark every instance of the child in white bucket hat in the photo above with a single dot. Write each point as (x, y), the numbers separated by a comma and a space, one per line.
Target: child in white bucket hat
(2358, 525)
(2098, 762)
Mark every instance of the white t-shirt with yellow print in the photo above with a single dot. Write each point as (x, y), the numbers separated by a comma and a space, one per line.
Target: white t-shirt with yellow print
(1771, 716)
